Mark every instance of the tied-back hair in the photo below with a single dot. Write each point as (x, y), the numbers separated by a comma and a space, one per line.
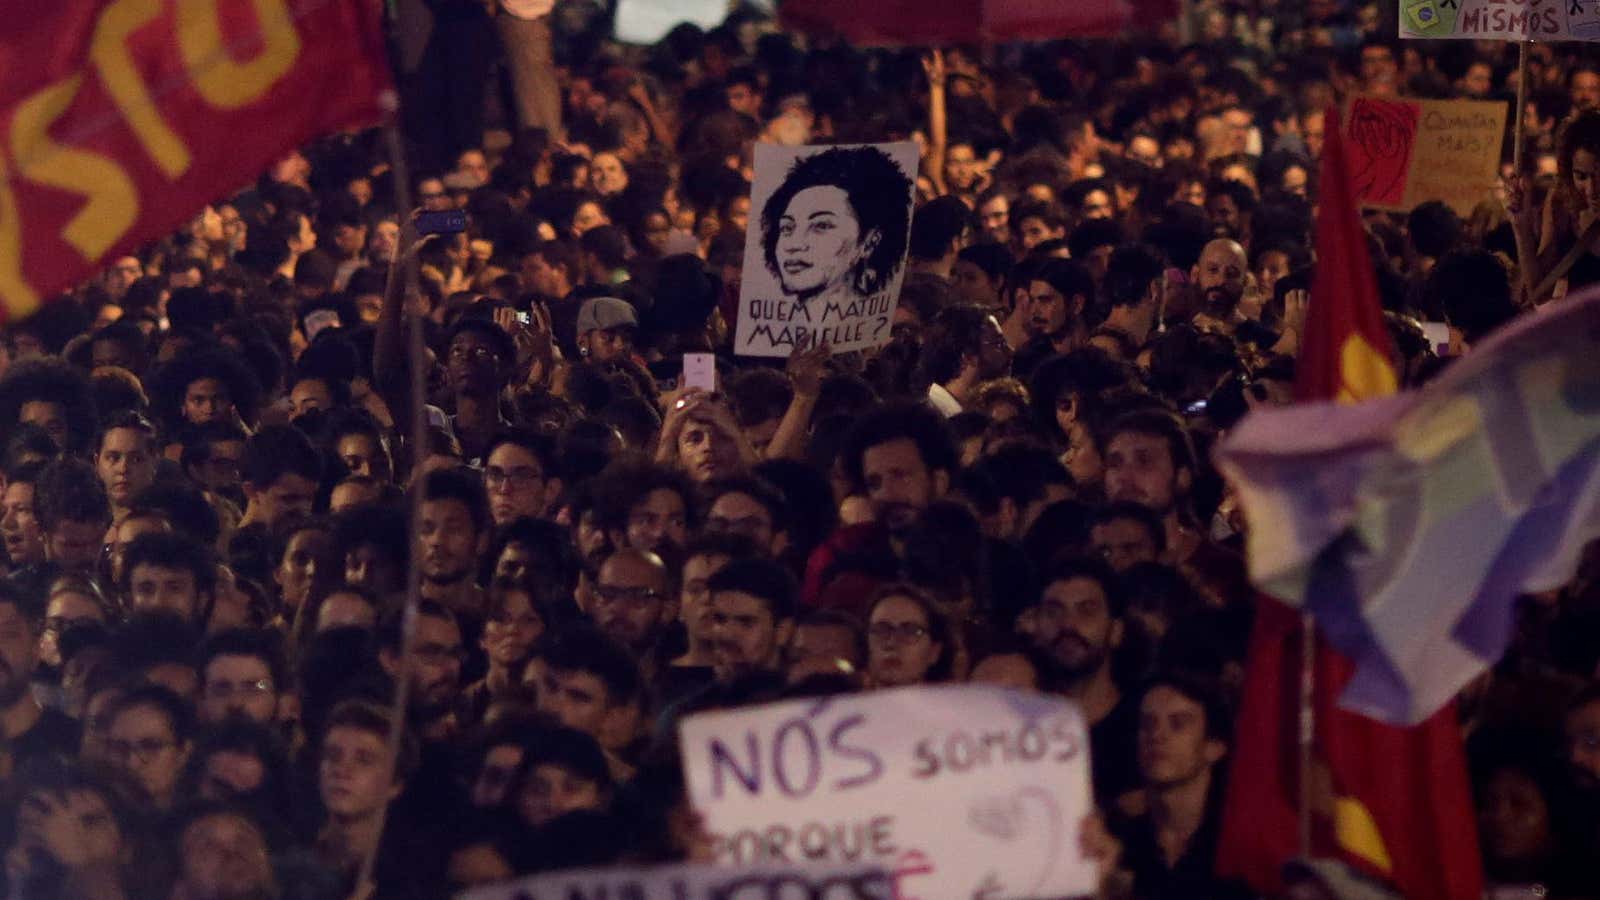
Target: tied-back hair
(877, 191)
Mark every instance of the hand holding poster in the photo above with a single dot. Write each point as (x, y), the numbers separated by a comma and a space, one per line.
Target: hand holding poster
(825, 254)
(959, 791)
(696, 882)
(1406, 152)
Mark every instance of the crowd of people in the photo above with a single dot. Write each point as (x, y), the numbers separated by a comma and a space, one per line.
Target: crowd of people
(213, 495)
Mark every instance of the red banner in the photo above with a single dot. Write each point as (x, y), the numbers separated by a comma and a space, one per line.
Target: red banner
(900, 22)
(119, 119)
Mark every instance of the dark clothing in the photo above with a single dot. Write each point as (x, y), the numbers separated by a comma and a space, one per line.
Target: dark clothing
(1584, 272)
(56, 735)
(1113, 751)
(1193, 876)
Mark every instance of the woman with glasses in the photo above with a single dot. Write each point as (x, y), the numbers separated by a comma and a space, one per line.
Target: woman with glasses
(908, 640)
(73, 600)
(149, 738)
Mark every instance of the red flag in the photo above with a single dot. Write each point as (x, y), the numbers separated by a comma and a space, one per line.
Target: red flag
(898, 22)
(118, 121)
(1393, 802)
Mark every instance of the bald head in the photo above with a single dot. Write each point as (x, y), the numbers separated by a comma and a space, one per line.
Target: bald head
(1219, 276)
(632, 598)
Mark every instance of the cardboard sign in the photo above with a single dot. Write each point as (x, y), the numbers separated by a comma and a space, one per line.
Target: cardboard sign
(696, 882)
(1406, 152)
(959, 791)
(826, 248)
(1507, 20)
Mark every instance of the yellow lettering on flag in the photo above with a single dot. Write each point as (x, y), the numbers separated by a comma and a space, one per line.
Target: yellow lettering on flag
(109, 51)
(18, 297)
(224, 82)
(1357, 832)
(1364, 373)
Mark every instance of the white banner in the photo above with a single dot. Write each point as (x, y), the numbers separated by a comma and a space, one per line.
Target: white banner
(696, 882)
(825, 250)
(1506, 20)
(959, 791)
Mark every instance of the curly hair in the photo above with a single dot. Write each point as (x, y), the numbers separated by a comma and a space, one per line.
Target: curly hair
(877, 191)
(51, 381)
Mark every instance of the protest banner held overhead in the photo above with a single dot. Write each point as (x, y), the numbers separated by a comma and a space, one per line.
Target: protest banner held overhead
(698, 882)
(826, 249)
(1529, 20)
(1407, 152)
(128, 118)
(959, 791)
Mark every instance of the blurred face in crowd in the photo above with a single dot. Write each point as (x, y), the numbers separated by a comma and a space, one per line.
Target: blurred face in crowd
(1010, 670)
(23, 538)
(975, 285)
(659, 522)
(121, 276)
(224, 855)
(48, 415)
(1097, 205)
(355, 775)
(1583, 743)
(960, 167)
(515, 482)
(66, 609)
(221, 471)
(362, 454)
(75, 828)
(473, 364)
(577, 699)
(1144, 149)
(1033, 231)
(1314, 129)
(631, 602)
(1378, 67)
(142, 741)
(496, 775)
(694, 599)
(1139, 467)
(291, 495)
(1273, 265)
(608, 175)
(898, 482)
(995, 214)
(1052, 312)
(1219, 276)
(745, 636)
(1172, 742)
(1585, 90)
(432, 196)
(900, 644)
(309, 394)
(18, 654)
(447, 540)
(238, 685)
(745, 100)
(76, 546)
(1514, 821)
(551, 791)
(705, 451)
(475, 165)
(308, 566)
(372, 568)
(738, 513)
(1124, 543)
(345, 609)
(1586, 178)
(126, 464)
(510, 631)
(153, 587)
(820, 242)
(206, 400)
(436, 666)
(590, 215)
(126, 532)
(1076, 626)
(823, 648)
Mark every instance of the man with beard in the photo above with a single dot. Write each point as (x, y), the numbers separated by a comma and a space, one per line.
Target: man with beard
(902, 458)
(27, 730)
(434, 667)
(1079, 628)
(1149, 460)
(752, 617)
(633, 602)
(1218, 277)
(452, 530)
(961, 348)
(645, 507)
(1230, 206)
(1058, 297)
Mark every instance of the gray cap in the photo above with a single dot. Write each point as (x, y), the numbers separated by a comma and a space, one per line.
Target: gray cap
(605, 313)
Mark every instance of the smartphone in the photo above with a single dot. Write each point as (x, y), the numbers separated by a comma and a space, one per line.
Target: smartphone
(1438, 337)
(449, 221)
(525, 317)
(699, 371)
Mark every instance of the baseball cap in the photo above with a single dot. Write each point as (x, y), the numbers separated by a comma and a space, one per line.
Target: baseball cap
(605, 313)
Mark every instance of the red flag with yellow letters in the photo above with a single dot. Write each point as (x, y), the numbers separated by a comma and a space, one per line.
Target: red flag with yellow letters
(119, 119)
(1393, 802)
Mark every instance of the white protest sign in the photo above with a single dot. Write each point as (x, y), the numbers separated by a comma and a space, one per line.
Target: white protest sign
(959, 791)
(697, 882)
(1506, 20)
(825, 252)
(648, 21)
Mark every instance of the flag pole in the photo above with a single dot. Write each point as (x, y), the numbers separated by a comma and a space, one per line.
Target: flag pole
(402, 287)
(1522, 107)
(1308, 720)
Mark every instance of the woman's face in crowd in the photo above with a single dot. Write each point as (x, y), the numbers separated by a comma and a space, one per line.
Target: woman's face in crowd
(552, 791)
(900, 644)
(306, 564)
(588, 217)
(66, 609)
(76, 828)
(1586, 177)
(657, 229)
(142, 742)
(1273, 265)
(509, 633)
(1514, 818)
(224, 855)
(206, 400)
(1082, 459)
(819, 242)
(354, 775)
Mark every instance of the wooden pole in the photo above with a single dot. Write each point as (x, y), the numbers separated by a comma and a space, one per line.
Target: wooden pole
(1517, 130)
(1308, 731)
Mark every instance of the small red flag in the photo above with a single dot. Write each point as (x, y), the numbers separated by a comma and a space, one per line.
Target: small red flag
(1393, 802)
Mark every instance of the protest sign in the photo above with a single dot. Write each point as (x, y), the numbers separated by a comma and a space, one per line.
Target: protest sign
(1406, 152)
(648, 21)
(825, 252)
(697, 882)
(1507, 20)
(959, 791)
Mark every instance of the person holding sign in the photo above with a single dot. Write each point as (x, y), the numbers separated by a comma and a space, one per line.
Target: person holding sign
(1569, 224)
(836, 228)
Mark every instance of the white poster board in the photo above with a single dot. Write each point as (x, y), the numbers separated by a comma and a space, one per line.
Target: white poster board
(648, 21)
(1504, 20)
(959, 791)
(825, 252)
(695, 882)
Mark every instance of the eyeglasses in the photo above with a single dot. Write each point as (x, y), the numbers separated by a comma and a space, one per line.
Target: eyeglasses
(635, 597)
(749, 525)
(887, 632)
(143, 750)
(520, 477)
(227, 690)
